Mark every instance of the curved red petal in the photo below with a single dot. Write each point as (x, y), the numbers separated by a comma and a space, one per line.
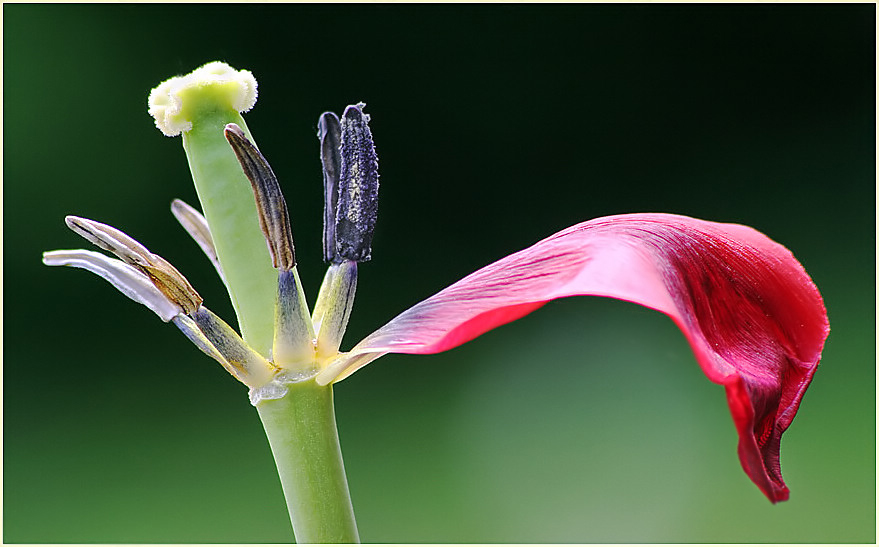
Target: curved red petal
(751, 314)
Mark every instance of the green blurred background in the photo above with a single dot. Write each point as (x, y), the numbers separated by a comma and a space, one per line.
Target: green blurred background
(496, 125)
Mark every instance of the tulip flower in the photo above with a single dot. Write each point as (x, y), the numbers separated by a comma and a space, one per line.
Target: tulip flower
(752, 316)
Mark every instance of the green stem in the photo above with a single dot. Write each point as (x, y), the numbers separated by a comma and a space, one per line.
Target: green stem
(301, 427)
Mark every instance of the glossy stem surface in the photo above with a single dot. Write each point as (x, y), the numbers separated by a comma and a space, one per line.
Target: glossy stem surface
(301, 428)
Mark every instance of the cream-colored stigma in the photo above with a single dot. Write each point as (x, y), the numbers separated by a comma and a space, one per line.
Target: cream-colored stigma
(216, 82)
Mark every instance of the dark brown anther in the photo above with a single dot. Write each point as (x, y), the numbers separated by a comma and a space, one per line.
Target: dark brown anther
(271, 207)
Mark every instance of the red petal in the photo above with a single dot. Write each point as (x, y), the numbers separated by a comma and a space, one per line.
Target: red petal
(752, 315)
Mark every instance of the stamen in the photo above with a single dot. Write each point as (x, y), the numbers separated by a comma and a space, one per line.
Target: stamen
(163, 275)
(107, 237)
(271, 207)
(324, 296)
(127, 279)
(329, 134)
(333, 308)
(358, 187)
(246, 364)
(189, 328)
(196, 226)
(292, 347)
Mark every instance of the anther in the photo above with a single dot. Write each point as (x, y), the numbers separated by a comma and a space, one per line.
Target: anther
(271, 207)
(358, 187)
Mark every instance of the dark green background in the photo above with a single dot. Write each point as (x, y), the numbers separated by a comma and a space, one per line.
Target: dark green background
(588, 421)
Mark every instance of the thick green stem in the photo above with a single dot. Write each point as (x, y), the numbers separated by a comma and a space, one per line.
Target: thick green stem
(301, 427)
